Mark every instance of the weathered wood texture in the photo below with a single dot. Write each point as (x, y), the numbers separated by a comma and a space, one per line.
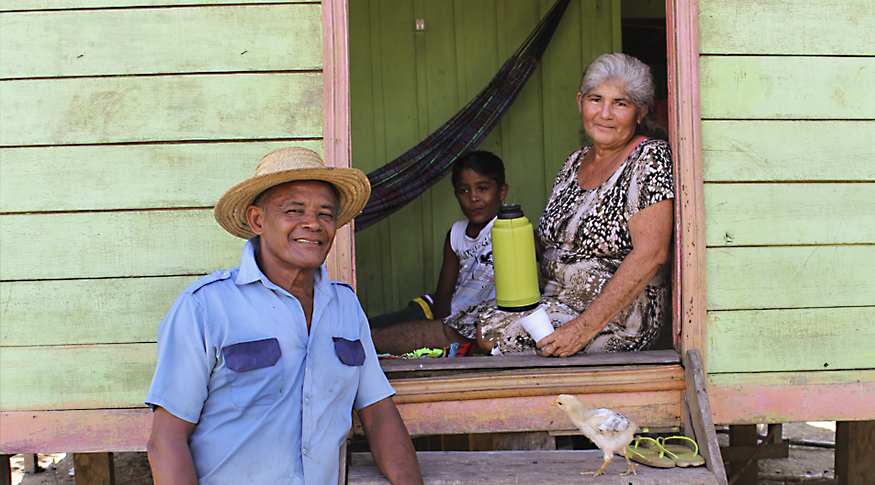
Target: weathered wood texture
(790, 277)
(770, 87)
(786, 397)
(88, 43)
(804, 339)
(408, 83)
(86, 311)
(192, 107)
(75, 431)
(765, 151)
(561, 467)
(533, 413)
(767, 214)
(116, 244)
(75, 376)
(699, 406)
(109, 177)
(27, 5)
(94, 468)
(854, 442)
(787, 27)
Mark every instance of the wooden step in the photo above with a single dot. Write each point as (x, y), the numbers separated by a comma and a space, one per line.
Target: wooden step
(558, 467)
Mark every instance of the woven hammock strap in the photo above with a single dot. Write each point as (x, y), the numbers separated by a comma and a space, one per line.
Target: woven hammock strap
(397, 183)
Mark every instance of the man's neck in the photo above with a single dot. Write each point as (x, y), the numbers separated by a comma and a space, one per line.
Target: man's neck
(300, 283)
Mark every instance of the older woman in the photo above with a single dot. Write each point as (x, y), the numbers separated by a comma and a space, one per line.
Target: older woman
(607, 227)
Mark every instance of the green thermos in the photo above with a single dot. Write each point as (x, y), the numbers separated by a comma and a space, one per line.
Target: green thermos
(513, 258)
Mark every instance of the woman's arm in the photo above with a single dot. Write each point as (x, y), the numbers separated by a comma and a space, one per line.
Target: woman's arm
(443, 296)
(169, 455)
(651, 230)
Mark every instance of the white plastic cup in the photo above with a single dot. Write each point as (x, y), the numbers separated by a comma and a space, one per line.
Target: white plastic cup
(537, 324)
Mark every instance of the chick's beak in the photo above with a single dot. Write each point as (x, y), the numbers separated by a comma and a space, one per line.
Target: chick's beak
(555, 403)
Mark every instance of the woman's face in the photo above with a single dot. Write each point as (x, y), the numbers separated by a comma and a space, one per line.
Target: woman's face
(609, 115)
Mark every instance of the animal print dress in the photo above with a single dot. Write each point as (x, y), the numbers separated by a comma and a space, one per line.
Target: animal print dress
(585, 235)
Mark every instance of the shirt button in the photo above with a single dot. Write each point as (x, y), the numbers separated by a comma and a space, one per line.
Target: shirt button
(306, 400)
(303, 451)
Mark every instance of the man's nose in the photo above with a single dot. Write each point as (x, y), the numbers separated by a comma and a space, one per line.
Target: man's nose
(310, 220)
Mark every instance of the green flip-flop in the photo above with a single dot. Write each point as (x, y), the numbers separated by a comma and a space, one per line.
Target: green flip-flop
(654, 456)
(682, 455)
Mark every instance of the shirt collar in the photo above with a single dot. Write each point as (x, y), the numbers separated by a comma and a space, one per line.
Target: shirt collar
(250, 272)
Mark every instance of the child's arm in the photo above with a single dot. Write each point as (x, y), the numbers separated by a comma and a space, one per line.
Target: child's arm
(446, 281)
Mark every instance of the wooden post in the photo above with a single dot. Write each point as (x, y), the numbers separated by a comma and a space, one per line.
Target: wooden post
(743, 435)
(5, 470)
(94, 469)
(855, 459)
(31, 463)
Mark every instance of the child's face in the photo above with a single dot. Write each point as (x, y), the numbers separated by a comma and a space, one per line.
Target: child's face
(479, 196)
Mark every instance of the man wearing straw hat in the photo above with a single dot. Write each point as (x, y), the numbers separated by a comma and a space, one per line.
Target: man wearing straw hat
(260, 366)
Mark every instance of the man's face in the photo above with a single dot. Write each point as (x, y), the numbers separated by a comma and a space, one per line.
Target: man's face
(296, 222)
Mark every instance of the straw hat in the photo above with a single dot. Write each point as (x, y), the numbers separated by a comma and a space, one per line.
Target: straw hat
(289, 165)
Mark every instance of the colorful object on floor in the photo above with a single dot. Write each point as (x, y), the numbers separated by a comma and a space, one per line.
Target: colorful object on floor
(682, 455)
(397, 183)
(654, 456)
(454, 350)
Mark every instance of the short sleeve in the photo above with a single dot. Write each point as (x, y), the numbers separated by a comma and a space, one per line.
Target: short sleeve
(373, 384)
(181, 380)
(651, 180)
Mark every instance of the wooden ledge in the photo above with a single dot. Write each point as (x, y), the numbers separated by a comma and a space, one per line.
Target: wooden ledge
(515, 467)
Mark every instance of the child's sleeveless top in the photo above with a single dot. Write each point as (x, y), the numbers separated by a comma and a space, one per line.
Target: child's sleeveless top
(476, 281)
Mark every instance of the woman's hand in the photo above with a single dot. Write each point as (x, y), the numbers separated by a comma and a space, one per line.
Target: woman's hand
(567, 339)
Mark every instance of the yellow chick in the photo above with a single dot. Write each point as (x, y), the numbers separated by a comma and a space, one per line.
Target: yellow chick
(610, 431)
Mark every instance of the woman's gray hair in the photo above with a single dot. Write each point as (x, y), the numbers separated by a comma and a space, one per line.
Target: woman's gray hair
(634, 78)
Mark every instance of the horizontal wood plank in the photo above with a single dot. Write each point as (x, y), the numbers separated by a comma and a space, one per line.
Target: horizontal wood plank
(155, 40)
(115, 244)
(161, 108)
(746, 151)
(91, 311)
(786, 27)
(791, 340)
(790, 277)
(493, 384)
(556, 467)
(29, 5)
(789, 214)
(534, 413)
(770, 87)
(107, 177)
(787, 397)
(418, 367)
(75, 376)
(75, 431)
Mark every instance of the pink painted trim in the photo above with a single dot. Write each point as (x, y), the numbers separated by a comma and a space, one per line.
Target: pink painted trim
(792, 397)
(75, 431)
(685, 125)
(335, 123)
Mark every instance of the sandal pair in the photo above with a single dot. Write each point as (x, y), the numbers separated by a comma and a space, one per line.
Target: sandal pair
(658, 454)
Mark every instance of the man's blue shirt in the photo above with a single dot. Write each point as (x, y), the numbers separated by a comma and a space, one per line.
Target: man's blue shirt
(271, 403)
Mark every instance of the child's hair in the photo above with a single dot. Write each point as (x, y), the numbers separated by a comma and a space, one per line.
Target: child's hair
(482, 162)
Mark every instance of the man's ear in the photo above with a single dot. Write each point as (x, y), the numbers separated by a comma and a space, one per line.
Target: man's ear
(503, 192)
(255, 219)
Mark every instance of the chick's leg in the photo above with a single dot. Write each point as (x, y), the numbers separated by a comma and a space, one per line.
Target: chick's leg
(601, 470)
(630, 469)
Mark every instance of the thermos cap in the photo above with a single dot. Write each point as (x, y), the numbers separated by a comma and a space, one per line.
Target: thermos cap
(510, 211)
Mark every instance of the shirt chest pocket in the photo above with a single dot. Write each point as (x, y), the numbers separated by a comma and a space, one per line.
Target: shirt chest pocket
(255, 371)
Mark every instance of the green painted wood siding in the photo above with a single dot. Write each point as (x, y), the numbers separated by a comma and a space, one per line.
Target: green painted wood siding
(788, 143)
(405, 84)
(119, 130)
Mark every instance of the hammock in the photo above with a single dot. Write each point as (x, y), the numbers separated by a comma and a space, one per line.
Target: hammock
(397, 183)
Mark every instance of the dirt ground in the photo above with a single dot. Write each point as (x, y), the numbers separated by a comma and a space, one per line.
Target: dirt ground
(133, 468)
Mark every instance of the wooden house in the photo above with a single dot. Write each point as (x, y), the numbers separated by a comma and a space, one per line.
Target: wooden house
(121, 122)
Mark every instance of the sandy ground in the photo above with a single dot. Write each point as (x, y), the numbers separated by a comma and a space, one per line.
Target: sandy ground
(133, 468)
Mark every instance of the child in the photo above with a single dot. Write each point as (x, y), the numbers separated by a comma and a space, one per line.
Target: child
(466, 278)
